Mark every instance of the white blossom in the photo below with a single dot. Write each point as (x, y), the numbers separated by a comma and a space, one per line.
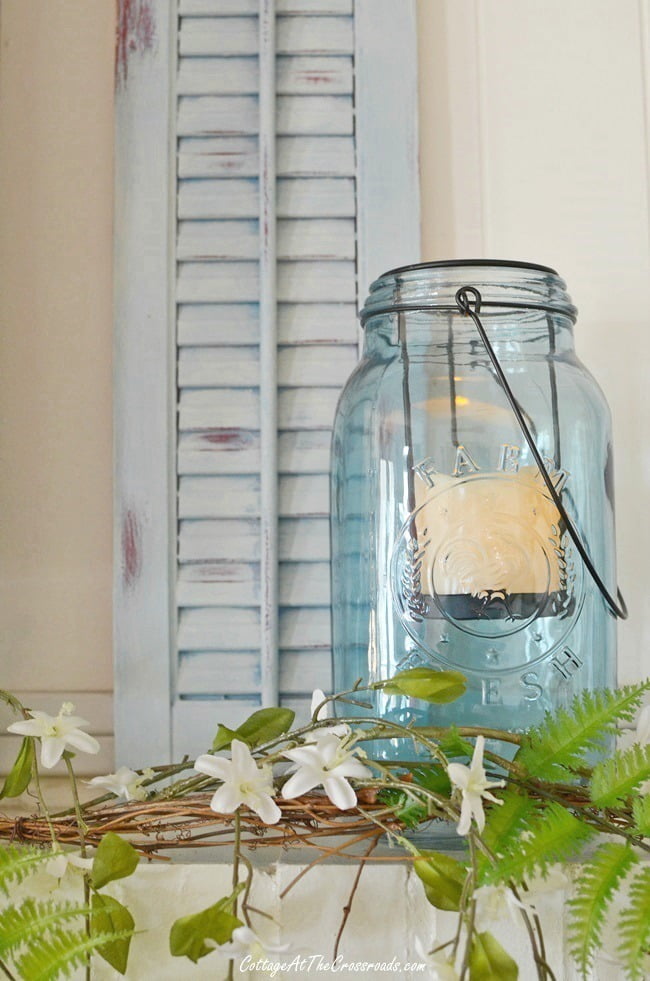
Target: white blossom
(472, 782)
(243, 782)
(324, 713)
(494, 903)
(57, 734)
(327, 763)
(124, 783)
(441, 968)
(60, 861)
(245, 942)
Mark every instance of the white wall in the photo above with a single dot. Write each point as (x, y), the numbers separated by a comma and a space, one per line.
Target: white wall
(534, 146)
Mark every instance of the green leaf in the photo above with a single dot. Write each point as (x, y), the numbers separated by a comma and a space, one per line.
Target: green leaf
(614, 779)
(260, 727)
(641, 812)
(407, 809)
(223, 738)
(114, 859)
(488, 961)
(189, 933)
(32, 919)
(595, 889)
(427, 684)
(111, 917)
(453, 744)
(49, 957)
(433, 777)
(553, 835)
(442, 877)
(21, 772)
(19, 861)
(562, 740)
(634, 926)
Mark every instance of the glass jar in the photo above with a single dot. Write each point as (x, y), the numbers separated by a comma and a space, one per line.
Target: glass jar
(447, 547)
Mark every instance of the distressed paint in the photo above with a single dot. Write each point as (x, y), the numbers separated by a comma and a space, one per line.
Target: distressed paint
(135, 33)
(131, 548)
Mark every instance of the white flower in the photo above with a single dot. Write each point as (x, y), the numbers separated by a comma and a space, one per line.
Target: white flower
(245, 942)
(124, 783)
(442, 969)
(57, 733)
(325, 763)
(244, 782)
(642, 734)
(324, 713)
(494, 903)
(473, 785)
(58, 865)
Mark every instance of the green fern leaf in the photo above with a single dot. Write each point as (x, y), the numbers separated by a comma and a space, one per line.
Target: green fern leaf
(615, 778)
(562, 740)
(634, 926)
(599, 878)
(50, 957)
(504, 825)
(553, 835)
(19, 861)
(641, 812)
(18, 924)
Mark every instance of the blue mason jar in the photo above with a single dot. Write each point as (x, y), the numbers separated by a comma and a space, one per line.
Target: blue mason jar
(448, 549)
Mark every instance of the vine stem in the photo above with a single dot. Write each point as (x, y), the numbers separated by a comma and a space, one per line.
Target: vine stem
(471, 916)
(82, 840)
(235, 881)
(347, 909)
(41, 800)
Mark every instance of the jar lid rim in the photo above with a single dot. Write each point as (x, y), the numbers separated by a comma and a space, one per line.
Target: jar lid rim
(454, 263)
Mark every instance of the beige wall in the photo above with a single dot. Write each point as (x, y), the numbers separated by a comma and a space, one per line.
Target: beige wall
(588, 215)
(56, 144)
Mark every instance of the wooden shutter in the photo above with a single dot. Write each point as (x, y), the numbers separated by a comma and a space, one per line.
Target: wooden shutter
(270, 195)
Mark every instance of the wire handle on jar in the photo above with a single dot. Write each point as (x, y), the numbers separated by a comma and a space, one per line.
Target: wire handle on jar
(468, 301)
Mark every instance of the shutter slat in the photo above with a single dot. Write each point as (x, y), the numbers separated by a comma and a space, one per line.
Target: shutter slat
(297, 198)
(219, 36)
(213, 115)
(202, 628)
(227, 451)
(298, 156)
(324, 323)
(240, 76)
(220, 156)
(302, 584)
(306, 76)
(239, 496)
(220, 8)
(299, 408)
(307, 238)
(230, 367)
(213, 543)
(298, 282)
(204, 672)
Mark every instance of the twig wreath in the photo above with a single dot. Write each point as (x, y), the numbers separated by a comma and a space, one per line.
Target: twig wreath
(521, 803)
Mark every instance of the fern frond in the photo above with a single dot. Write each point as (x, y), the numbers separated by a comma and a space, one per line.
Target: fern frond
(19, 861)
(554, 835)
(615, 778)
(49, 957)
(641, 812)
(563, 738)
(504, 824)
(599, 878)
(634, 926)
(18, 924)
